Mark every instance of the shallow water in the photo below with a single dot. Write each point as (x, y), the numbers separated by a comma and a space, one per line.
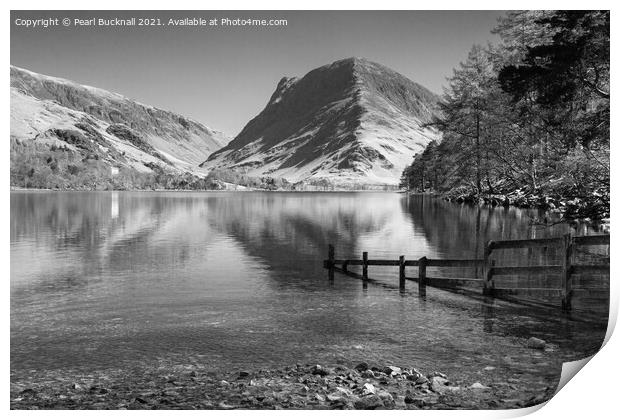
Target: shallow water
(235, 280)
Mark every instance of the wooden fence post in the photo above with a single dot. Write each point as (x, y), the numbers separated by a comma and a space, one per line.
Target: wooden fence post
(401, 272)
(488, 270)
(364, 265)
(330, 263)
(422, 276)
(566, 272)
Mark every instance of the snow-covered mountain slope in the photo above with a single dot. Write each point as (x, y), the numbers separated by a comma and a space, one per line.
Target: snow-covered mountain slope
(350, 122)
(121, 131)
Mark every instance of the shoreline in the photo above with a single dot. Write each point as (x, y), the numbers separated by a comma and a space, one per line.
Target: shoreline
(482, 201)
(363, 387)
(244, 189)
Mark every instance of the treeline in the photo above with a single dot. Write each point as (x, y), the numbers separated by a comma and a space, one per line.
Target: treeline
(245, 180)
(39, 165)
(43, 166)
(526, 122)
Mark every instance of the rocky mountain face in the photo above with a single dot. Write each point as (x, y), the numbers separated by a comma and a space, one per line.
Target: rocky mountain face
(56, 112)
(350, 122)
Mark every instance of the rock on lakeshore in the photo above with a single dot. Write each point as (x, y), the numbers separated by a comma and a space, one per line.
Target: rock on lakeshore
(293, 387)
(536, 343)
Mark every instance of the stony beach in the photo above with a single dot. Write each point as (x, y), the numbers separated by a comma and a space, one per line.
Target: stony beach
(363, 386)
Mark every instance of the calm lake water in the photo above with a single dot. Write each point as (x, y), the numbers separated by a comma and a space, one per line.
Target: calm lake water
(111, 280)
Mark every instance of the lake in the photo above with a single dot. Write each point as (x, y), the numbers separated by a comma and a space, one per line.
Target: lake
(232, 280)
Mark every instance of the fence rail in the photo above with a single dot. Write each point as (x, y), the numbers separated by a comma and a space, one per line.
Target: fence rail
(565, 290)
(530, 269)
(411, 263)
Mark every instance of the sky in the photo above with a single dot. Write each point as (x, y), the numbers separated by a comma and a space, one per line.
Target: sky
(222, 76)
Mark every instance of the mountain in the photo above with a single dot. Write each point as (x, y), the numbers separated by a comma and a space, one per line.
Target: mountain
(350, 122)
(94, 123)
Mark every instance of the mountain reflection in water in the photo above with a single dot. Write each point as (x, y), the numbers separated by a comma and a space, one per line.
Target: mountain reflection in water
(235, 280)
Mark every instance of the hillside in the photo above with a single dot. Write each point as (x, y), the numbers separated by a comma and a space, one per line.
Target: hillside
(70, 136)
(351, 122)
(120, 131)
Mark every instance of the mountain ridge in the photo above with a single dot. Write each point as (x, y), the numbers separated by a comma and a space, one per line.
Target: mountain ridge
(104, 92)
(146, 135)
(351, 121)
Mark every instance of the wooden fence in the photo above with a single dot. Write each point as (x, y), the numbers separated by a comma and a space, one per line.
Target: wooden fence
(564, 291)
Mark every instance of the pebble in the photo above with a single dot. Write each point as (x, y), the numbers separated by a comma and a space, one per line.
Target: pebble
(409, 397)
(300, 389)
(438, 383)
(369, 388)
(289, 387)
(536, 343)
(334, 397)
(421, 380)
(369, 402)
(362, 367)
(400, 402)
(385, 396)
(320, 370)
(391, 370)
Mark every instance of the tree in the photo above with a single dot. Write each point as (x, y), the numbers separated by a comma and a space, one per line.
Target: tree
(569, 76)
(568, 79)
(527, 119)
(464, 119)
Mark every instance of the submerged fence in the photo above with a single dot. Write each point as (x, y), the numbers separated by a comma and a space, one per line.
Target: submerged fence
(571, 276)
